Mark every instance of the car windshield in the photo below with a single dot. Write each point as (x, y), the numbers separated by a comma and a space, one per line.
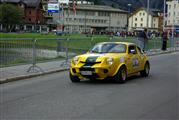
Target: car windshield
(109, 48)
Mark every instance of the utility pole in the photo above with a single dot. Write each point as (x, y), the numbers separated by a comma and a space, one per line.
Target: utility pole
(173, 27)
(148, 4)
(164, 10)
(129, 10)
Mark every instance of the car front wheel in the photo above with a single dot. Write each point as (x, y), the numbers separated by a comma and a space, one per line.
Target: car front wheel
(121, 75)
(74, 79)
(145, 72)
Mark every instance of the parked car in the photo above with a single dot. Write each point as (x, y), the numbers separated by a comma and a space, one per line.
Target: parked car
(116, 60)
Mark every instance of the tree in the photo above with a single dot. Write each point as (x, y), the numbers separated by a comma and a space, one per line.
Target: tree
(10, 15)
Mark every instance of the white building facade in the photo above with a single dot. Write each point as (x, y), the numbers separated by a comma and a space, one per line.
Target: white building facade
(172, 13)
(138, 20)
(92, 18)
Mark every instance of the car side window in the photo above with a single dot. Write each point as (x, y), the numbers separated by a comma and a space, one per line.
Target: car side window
(132, 50)
(140, 51)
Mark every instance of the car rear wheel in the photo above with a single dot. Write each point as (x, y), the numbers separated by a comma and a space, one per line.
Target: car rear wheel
(74, 79)
(145, 72)
(121, 75)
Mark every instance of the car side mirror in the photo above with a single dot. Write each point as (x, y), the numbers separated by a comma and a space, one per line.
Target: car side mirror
(132, 52)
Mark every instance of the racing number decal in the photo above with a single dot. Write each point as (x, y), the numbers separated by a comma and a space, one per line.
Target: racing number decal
(135, 62)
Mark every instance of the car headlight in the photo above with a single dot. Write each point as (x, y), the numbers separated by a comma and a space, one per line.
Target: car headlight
(75, 60)
(110, 61)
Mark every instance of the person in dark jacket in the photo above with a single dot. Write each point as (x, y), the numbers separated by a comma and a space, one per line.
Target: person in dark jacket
(164, 40)
(143, 39)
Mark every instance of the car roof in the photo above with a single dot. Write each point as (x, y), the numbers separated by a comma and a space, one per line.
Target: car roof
(126, 43)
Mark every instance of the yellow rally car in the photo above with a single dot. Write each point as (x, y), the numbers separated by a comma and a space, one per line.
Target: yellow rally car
(116, 60)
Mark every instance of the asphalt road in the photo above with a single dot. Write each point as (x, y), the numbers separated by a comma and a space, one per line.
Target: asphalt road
(54, 97)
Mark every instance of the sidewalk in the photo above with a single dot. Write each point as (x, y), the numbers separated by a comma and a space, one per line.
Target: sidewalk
(14, 73)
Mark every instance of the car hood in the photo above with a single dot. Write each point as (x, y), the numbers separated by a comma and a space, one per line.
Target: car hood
(96, 57)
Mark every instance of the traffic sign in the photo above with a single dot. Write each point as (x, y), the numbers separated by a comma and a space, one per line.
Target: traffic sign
(53, 7)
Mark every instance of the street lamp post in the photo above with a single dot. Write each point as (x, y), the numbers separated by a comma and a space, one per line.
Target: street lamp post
(164, 10)
(148, 2)
(129, 11)
(173, 27)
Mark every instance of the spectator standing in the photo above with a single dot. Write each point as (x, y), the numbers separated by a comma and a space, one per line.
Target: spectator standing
(164, 40)
(143, 39)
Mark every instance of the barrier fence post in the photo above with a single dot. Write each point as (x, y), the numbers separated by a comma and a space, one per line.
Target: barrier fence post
(34, 67)
(66, 62)
(175, 44)
(171, 44)
(67, 50)
(92, 40)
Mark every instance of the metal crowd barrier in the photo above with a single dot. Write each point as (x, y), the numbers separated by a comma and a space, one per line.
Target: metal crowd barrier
(15, 51)
(48, 49)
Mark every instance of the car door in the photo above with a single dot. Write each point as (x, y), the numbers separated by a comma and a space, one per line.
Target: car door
(141, 58)
(133, 59)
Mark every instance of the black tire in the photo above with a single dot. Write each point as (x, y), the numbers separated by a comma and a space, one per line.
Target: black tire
(121, 75)
(145, 72)
(74, 79)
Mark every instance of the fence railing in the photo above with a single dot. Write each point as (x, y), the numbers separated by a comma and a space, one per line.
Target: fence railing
(15, 51)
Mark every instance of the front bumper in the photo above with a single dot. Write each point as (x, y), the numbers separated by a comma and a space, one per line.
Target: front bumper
(91, 73)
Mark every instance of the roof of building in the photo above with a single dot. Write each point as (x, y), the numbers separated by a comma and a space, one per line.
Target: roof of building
(11, 1)
(28, 3)
(153, 12)
(31, 3)
(99, 8)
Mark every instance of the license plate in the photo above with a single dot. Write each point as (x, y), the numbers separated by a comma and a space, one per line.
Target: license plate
(86, 72)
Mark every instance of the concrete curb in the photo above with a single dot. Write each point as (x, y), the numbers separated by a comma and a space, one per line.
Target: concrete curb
(166, 52)
(22, 77)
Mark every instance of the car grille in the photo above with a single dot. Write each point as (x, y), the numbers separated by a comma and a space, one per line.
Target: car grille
(87, 69)
(90, 62)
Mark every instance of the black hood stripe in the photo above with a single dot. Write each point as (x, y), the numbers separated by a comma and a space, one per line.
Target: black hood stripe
(90, 61)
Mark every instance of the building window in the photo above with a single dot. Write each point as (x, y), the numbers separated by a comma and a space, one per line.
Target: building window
(169, 6)
(140, 14)
(29, 19)
(135, 24)
(154, 25)
(135, 19)
(141, 25)
(29, 12)
(80, 20)
(141, 19)
(143, 14)
(174, 5)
